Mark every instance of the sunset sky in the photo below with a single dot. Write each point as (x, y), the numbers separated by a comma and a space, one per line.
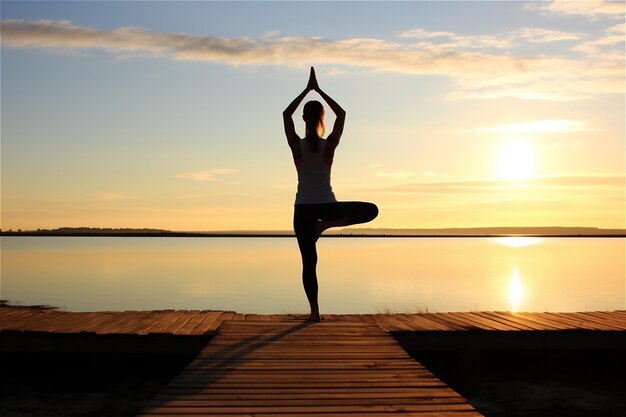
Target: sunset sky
(168, 114)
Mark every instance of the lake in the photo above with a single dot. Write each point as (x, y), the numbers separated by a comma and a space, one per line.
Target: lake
(356, 275)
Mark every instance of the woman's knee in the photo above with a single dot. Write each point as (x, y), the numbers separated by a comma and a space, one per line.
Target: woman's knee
(373, 210)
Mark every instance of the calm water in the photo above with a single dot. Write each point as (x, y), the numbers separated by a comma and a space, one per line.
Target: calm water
(262, 275)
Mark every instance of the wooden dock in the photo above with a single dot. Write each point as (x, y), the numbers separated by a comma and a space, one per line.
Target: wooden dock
(281, 365)
(272, 368)
(206, 322)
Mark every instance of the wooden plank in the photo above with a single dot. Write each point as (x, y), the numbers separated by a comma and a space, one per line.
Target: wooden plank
(74, 323)
(402, 318)
(207, 323)
(155, 321)
(549, 324)
(612, 318)
(389, 323)
(13, 314)
(94, 322)
(167, 321)
(180, 321)
(577, 322)
(278, 413)
(37, 320)
(225, 316)
(293, 410)
(136, 322)
(145, 321)
(613, 324)
(461, 320)
(114, 321)
(518, 318)
(290, 391)
(487, 321)
(251, 324)
(353, 318)
(126, 319)
(505, 321)
(221, 402)
(17, 320)
(355, 343)
(193, 323)
(434, 393)
(438, 323)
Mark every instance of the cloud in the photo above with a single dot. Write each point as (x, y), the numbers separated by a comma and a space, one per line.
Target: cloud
(209, 175)
(482, 186)
(478, 74)
(592, 9)
(509, 39)
(606, 45)
(539, 126)
(395, 175)
(450, 40)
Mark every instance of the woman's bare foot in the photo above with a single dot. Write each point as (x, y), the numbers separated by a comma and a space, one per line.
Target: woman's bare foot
(314, 317)
(322, 225)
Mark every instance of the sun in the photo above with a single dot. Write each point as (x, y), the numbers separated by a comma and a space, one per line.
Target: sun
(515, 161)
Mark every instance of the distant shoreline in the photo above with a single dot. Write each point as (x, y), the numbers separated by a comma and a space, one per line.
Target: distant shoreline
(291, 235)
(555, 231)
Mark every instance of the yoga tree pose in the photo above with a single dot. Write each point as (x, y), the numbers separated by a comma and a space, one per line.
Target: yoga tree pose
(316, 208)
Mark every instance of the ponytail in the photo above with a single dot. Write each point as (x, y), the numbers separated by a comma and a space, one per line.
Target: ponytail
(313, 114)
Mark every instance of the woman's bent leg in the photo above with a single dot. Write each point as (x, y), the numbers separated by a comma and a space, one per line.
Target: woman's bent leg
(346, 213)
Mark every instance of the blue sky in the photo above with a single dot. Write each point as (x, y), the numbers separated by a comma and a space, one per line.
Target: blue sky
(167, 114)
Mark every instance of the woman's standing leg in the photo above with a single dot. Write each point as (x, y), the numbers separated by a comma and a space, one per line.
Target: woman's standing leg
(304, 224)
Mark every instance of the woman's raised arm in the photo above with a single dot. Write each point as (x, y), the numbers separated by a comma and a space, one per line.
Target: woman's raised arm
(293, 140)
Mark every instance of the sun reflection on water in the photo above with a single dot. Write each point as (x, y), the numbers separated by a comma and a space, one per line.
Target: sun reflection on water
(516, 290)
(517, 241)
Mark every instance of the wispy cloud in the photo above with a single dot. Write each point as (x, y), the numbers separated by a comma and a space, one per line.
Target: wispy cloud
(395, 175)
(450, 40)
(208, 175)
(479, 72)
(605, 45)
(508, 39)
(539, 126)
(482, 186)
(592, 9)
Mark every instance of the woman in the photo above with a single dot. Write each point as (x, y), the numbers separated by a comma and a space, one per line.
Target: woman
(316, 208)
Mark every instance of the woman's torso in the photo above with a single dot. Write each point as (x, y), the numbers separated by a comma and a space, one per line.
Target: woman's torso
(314, 176)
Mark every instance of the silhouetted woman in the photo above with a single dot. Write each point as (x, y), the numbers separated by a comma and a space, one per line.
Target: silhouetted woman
(316, 208)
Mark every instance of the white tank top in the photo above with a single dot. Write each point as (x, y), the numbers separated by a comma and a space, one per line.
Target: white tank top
(314, 176)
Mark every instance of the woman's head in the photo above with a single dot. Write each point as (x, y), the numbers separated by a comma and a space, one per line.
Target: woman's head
(313, 115)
